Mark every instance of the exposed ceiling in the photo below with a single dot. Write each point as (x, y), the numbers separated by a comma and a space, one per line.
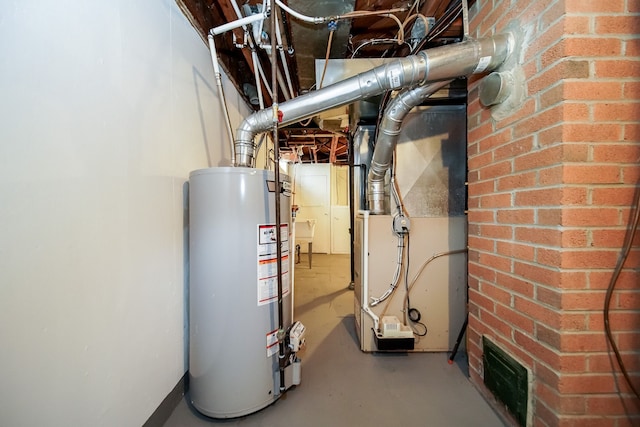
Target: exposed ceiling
(365, 36)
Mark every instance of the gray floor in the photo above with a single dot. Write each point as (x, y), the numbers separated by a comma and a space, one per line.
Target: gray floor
(341, 386)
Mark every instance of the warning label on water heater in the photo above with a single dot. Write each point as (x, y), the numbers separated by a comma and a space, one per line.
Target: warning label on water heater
(267, 262)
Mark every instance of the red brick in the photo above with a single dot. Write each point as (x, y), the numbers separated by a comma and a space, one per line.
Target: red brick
(618, 153)
(626, 280)
(552, 217)
(515, 216)
(589, 90)
(594, 6)
(523, 112)
(513, 317)
(481, 272)
(549, 156)
(572, 404)
(608, 238)
(553, 95)
(592, 132)
(549, 296)
(576, 46)
(574, 280)
(496, 231)
(574, 238)
(496, 262)
(481, 131)
(521, 180)
(537, 235)
(609, 112)
(514, 149)
(623, 24)
(611, 405)
(478, 215)
(515, 284)
(537, 311)
(516, 250)
(496, 293)
(501, 200)
(575, 152)
(585, 383)
(577, 24)
(532, 346)
(631, 90)
(548, 336)
(589, 258)
(582, 300)
(481, 301)
(629, 300)
(591, 174)
(583, 342)
(612, 196)
(550, 176)
(476, 162)
(574, 322)
(497, 325)
(589, 217)
(550, 137)
(539, 121)
(539, 197)
(495, 170)
(630, 174)
(495, 140)
(566, 69)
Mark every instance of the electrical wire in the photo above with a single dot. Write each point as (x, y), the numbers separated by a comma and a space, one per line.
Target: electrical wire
(626, 249)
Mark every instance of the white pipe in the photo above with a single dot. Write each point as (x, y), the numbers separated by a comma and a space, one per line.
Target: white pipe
(365, 271)
(256, 62)
(223, 103)
(238, 23)
(311, 19)
(283, 58)
(254, 58)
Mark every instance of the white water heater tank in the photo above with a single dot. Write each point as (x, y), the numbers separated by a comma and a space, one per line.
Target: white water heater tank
(233, 307)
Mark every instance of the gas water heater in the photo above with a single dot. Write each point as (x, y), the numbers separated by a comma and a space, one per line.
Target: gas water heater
(234, 360)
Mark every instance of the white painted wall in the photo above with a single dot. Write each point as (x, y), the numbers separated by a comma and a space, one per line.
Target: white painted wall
(106, 107)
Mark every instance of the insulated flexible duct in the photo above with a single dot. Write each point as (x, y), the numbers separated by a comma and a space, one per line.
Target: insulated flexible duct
(431, 65)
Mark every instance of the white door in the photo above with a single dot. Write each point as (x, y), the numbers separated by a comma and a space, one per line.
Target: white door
(340, 224)
(313, 197)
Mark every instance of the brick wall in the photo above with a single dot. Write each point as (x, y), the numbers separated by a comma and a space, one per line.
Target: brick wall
(550, 193)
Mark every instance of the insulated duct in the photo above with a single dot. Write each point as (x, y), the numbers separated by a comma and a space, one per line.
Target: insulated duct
(387, 139)
(432, 65)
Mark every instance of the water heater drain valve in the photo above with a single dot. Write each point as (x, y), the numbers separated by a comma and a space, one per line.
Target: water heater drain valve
(296, 336)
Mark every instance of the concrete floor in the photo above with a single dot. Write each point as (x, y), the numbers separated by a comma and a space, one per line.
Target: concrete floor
(341, 386)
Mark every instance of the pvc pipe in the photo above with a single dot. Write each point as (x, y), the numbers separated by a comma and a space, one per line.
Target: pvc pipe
(311, 19)
(283, 58)
(238, 23)
(223, 103)
(254, 58)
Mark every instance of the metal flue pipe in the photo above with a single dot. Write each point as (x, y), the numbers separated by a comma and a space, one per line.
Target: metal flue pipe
(387, 140)
(431, 65)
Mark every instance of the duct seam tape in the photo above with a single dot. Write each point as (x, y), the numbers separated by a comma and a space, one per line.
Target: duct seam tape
(394, 79)
(483, 63)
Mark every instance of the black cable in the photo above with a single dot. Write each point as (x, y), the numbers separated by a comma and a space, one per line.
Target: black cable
(626, 248)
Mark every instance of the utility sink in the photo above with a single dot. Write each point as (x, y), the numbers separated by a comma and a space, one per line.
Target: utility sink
(305, 230)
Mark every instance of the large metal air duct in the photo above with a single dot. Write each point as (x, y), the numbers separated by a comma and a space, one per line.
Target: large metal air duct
(387, 139)
(432, 65)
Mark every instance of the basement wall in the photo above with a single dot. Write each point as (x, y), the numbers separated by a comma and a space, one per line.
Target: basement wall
(106, 107)
(550, 194)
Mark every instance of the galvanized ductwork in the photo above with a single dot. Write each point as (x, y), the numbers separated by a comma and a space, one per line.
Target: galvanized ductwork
(432, 65)
(388, 138)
